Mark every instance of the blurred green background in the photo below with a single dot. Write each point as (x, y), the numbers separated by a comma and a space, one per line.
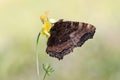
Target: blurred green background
(97, 59)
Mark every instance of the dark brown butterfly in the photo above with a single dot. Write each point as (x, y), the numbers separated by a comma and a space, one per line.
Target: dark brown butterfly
(66, 35)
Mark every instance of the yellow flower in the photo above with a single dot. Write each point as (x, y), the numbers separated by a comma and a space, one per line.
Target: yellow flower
(47, 25)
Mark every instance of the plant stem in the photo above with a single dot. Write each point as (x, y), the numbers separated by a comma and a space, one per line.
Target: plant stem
(37, 63)
(37, 58)
(44, 75)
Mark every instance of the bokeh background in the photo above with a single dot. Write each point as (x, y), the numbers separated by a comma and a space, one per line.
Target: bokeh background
(97, 59)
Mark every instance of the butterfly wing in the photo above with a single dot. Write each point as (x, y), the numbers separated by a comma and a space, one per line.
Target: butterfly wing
(66, 35)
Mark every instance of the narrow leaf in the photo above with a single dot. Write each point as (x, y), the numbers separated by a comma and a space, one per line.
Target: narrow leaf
(44, 67)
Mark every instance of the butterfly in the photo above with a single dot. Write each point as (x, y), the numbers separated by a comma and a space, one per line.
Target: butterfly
(64, 36)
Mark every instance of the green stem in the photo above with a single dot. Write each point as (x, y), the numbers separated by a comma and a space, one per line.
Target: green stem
(37, 58)
(45, 75)
(37, 63)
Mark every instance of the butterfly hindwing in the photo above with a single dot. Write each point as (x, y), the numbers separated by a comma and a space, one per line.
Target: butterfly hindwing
(66, 35)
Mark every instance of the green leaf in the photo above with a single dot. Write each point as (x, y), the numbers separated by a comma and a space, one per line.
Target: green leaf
(48, 70)
(44, 67)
